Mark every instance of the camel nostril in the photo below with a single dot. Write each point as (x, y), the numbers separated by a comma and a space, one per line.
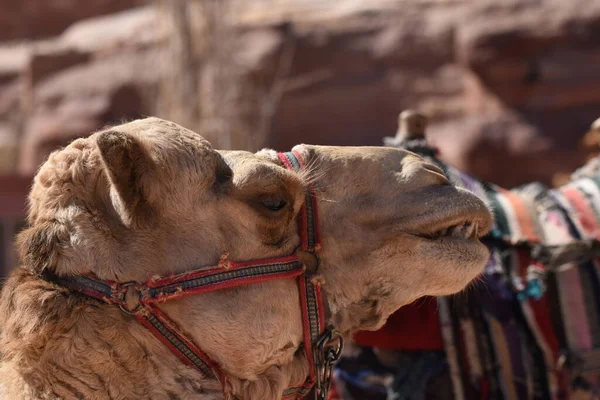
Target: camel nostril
(433, 168)
(434, 175)
(423, 173)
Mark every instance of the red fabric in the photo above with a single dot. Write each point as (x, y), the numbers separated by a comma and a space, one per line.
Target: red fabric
(334, 393)
(542, 313)
(413, 327)
(485, 389)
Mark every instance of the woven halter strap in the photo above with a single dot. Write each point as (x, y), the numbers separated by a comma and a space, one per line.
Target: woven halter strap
(322, 345)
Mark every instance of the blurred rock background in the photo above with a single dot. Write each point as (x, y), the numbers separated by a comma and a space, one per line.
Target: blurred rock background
(510, 87)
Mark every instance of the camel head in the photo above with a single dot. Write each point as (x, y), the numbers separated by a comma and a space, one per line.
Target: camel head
(152, 198)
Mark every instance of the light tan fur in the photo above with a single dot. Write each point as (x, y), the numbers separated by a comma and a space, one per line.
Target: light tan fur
(150, 197)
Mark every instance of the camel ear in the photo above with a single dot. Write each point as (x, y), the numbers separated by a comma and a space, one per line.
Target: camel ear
(130, 170)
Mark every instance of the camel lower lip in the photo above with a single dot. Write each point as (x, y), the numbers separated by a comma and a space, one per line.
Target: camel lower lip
(450, 239)
(449, 244)
(453, 239)
(460, 250)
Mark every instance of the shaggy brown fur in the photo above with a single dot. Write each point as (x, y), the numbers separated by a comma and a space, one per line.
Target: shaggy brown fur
(150, 197)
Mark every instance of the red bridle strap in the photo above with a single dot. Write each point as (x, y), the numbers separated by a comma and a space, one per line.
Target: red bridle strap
(139, 299)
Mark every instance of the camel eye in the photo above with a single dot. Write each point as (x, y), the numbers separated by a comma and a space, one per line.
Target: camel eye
(274, 204)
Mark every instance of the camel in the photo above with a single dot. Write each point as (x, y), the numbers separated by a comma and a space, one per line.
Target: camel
(149, 201)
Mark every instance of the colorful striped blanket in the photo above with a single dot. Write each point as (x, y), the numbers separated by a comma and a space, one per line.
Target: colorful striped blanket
(529, 330)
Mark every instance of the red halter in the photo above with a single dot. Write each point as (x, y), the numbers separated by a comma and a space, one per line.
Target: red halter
(322, 345)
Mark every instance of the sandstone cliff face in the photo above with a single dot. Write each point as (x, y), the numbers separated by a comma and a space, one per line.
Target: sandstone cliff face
(99, 71)
(42, 18)
(509, 86)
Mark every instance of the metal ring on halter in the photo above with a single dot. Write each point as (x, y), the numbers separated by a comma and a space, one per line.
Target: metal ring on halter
(124, 288)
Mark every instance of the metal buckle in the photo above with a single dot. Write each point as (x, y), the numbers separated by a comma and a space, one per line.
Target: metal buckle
(124, 290)
(326, 352)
